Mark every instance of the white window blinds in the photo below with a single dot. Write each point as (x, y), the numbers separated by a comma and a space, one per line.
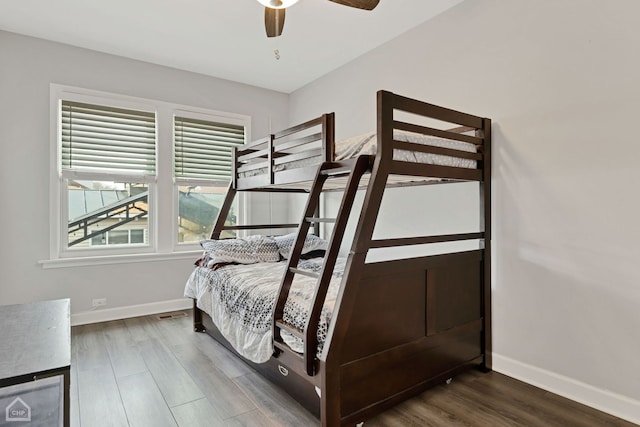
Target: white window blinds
(202, 149)
(105, 139)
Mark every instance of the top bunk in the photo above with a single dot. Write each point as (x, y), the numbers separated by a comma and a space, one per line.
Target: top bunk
(415, 142)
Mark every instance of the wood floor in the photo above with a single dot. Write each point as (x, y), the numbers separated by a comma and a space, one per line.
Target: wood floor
(150, 372)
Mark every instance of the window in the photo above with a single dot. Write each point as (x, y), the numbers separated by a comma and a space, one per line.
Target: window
(202, 170)
(98, 209)
(125, 169)
(119, 237)
(99, 142)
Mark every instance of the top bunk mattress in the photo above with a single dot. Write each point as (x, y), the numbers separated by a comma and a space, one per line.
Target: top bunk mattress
(366, 144)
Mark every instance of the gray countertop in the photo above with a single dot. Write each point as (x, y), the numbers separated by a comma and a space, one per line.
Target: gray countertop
(34, 338)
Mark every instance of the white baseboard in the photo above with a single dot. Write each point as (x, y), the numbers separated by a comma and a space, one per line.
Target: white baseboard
(603, 400)
(105, 315)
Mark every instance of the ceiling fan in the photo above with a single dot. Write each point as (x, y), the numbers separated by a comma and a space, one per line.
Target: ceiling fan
(275, 10)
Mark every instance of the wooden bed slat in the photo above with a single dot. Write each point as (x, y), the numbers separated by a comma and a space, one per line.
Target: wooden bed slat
(290, 328)
(423, 130)
(462, 129)
(255, 143)
(407, 241)
(251, 155)
(419, 169)
(258, 226)
(435, 112)
(343, 167)
(283, 146)
(295, 129)
(307, 154)
(307, 273)
(315, 219)
(279, 190)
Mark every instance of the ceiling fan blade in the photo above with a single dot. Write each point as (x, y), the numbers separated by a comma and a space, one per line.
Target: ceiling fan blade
(273, 21)
(360, 4)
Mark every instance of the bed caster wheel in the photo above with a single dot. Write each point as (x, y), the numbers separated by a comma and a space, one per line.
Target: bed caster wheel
(198, 329)
(449, 381)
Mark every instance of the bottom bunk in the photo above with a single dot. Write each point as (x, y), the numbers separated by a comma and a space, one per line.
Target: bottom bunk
(397, 327)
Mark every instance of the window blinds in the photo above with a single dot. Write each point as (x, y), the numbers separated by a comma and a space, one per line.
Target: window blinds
(105, 139)
(202, 149)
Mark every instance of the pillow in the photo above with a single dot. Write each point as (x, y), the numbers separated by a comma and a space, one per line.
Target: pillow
(318, 253)
(311, 243)
(249, 250)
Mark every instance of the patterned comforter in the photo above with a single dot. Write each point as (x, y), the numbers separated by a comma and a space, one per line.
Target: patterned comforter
(240, 301)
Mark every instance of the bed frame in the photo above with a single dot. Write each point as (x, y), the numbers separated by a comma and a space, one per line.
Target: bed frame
(399, 326)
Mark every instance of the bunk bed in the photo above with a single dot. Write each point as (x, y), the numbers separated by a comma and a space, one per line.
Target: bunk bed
(374, 332)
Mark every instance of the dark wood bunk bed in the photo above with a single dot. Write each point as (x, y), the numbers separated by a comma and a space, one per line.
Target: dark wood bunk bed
(398, 326)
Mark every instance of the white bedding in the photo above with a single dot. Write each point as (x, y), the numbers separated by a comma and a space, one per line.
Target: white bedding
(240, 300)
(367, 144)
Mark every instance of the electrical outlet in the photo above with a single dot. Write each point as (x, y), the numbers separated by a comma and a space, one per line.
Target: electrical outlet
(99, 302)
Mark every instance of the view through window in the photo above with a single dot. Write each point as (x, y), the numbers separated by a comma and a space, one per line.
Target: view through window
(113, 193)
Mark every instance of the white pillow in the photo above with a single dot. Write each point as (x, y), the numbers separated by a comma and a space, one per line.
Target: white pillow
(250, 250)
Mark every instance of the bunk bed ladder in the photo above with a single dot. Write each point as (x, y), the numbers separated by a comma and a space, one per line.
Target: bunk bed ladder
(354, 169)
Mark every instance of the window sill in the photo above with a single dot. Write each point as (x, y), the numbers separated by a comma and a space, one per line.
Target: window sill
(118, 259)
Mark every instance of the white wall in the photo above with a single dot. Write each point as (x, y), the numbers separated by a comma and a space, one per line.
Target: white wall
(28, 67)
(559, 78)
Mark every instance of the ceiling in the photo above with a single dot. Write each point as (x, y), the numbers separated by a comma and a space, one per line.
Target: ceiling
(222, 38)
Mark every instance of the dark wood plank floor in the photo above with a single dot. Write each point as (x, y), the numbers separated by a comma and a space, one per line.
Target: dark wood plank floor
(150, 372)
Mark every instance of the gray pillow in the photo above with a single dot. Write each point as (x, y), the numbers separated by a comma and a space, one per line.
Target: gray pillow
(249, 250)
(311, 243)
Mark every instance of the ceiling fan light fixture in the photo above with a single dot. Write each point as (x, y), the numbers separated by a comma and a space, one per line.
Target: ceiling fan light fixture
(277, 4)
(275, 12)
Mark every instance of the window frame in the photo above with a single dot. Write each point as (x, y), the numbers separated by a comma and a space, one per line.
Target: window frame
(163, 210)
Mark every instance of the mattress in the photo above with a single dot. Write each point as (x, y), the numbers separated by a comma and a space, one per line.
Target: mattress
(240, 301)
(366, 144)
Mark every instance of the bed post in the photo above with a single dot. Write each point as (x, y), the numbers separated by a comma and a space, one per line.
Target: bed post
(218, 226)
(223, 213)
(328, 155)
(270, 155)
(485, 225)
(328, 136)
(331, 399)
(379, 173)
(330, 394)
(197, 318)
(365, 226)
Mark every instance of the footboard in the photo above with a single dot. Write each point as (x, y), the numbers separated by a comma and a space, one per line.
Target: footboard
(413, 323)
